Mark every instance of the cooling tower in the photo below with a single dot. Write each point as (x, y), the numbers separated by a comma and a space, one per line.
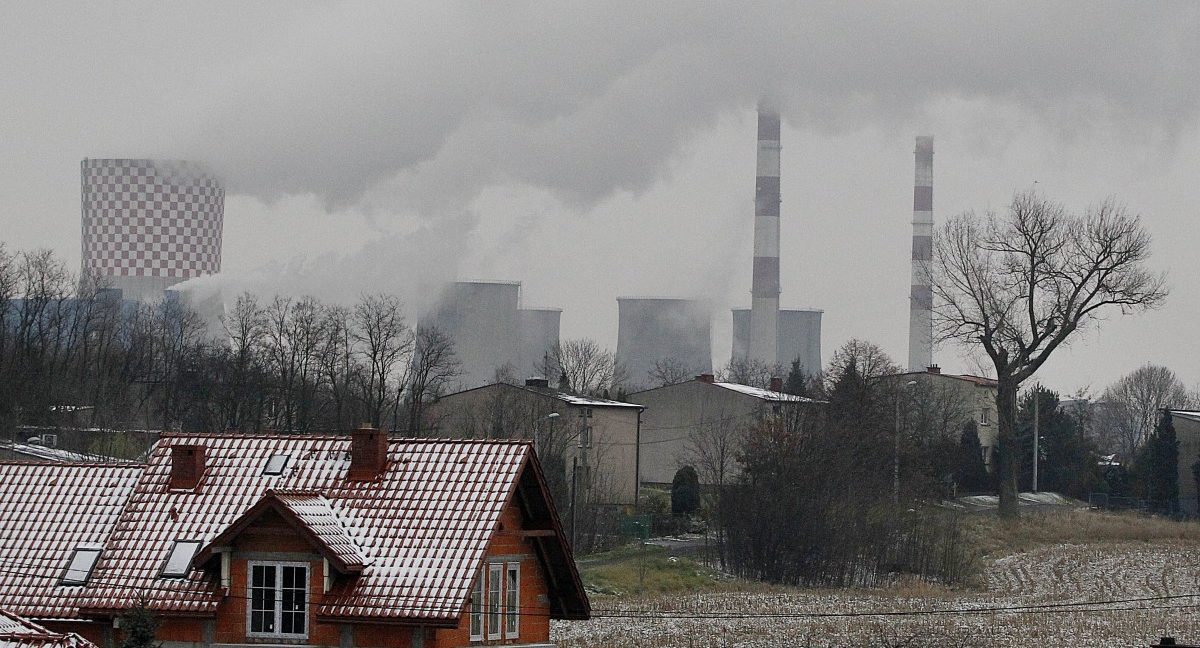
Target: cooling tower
(662, 330)
(920, 314)
(799, 337)
(764, 305)
(539, 331)
(483, 321)
(149, 224)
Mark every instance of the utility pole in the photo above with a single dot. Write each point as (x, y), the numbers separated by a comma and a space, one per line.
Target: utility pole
(896, 447)
(1035, 439)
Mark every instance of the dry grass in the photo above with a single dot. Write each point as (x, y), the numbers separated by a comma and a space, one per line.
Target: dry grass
(993, 536)
(1083, 558)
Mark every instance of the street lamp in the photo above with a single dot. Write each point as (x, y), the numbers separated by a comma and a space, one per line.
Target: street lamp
(896, 448)
(537, 441)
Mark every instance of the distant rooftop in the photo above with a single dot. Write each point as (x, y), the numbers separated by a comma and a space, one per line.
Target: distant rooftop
(766, 394)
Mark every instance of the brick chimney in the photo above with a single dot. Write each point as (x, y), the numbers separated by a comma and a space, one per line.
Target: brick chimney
(708, 378)
(539, 383)
(368, 454)
(933, 369)
(187, 466)
(776, 384)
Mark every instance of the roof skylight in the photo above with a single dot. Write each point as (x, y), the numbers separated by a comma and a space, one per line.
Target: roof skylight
(276, 464)
(180, 558)
(82, 562)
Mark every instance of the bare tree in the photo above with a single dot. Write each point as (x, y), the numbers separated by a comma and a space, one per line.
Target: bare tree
(432, 368)
(669, 371)
(870, 361)
(383, 339)
(751, 372)
(245, 327)
(1133, 405)
(1019, 284)
(585, 367)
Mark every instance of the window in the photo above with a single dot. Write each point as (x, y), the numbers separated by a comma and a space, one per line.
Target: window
(278, 605)
(496, 602)
(477, 610)
(512, 601)
(983, 416)
(495, 576)
(180, 558)
(276, 464)
(80, 567)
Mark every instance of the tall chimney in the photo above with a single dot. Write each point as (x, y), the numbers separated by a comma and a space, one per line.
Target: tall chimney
(764, 291)
(920, 313)
(776, 384)
(368, 454)
(187, 466)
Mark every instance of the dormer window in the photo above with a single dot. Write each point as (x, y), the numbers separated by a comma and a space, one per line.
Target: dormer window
(81, 565)
(276, 464)
(180, 558)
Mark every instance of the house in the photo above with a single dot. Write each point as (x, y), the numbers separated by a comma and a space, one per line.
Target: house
(301, 540)
(1187, 433)
(17, 632)
(595, 439)
(950, 399)
(702, 412)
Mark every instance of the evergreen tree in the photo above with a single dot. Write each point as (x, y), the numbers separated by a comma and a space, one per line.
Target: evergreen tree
(1158, 466)
(685, 491)
(797, 382)
(139, 624)
(971, 473)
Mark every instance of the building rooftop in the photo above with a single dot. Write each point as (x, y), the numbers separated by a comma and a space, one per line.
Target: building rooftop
(765, 394)
(409, 540)
(17, 632)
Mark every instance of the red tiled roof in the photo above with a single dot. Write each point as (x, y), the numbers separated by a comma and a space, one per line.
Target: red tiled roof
(47, 510)
(313, 515)
(425, 523)
(16, 632)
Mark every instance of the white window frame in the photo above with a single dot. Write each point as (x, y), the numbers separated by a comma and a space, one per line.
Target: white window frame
(477, 611)
(512, 600)
(495, 600)
(983, 416)
(278, 602)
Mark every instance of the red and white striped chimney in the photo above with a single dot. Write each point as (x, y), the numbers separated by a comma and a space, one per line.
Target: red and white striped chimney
(920, 313)
(764, 305)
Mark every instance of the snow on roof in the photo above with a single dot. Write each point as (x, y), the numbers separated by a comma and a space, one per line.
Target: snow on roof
(1191, 415)
(47, 510)
(46, 453)
(313, 514)
(16, 632)
(425, 522)
(550, 392)
(765, 394)
(588, 401)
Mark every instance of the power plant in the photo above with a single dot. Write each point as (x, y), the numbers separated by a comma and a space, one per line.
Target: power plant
(660, 332)
(491, 332)
(764, 333)
(920, 312)
(149, 224)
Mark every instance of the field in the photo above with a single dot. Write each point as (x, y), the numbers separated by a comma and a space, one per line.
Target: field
(1066, 569)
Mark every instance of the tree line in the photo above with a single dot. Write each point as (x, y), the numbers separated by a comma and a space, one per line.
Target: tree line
(288, 364)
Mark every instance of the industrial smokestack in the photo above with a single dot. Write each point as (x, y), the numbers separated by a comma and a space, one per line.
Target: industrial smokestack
(764, 305)
(920, 314)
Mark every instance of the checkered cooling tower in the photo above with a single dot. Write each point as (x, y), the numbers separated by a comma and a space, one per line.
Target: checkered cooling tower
(151, 218)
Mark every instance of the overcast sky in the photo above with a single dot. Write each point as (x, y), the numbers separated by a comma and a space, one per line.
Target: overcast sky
(605, 151)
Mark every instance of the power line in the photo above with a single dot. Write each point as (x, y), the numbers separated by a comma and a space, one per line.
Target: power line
(1066, 607)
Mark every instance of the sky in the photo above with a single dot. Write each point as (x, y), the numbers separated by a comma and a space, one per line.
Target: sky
(600, 150)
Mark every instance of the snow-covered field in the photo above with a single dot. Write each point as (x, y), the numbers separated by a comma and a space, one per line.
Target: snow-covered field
(1087, 576)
